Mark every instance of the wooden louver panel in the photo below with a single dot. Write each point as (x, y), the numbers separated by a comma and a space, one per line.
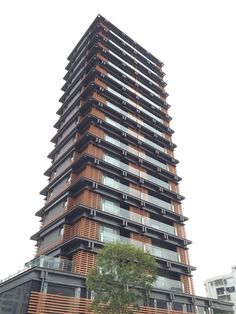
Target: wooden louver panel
(84, 262)
(55, 304)
(86, 198)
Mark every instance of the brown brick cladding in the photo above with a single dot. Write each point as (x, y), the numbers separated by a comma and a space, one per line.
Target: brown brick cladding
(138, 188)
(100, 83)
(99, 98)
(96, 131)
(90, 149)
(84, 228)
(86, 198)
(180, 230)
(169, 152)
(40, 302)
(140, 238)
(183, 254)
(172, 169)
(139, 211)
(177, 207)
(88, 172)
(174, 187)
(101, 57)
(187, 282)
(97, 113)
(100, 69)
(83, 262)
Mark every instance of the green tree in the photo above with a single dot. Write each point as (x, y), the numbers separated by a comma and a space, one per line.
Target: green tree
(123, 277)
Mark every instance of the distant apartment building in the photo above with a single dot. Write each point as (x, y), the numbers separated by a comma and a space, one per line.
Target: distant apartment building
(223, 287)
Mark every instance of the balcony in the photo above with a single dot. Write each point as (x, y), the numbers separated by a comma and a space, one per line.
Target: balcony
(135, 193)
(107, 235)
(168, 284)
(113, 208)
(134, 151)
(51, 262)
(141, 174)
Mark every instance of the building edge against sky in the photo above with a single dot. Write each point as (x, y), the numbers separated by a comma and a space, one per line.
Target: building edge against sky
(222, 287)
(112, 178)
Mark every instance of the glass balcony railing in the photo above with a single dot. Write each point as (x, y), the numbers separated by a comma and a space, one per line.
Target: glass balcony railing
(115, 209)
(77, 74)
(131, 47)
(76, 85)
(116, 162)
(65, 265)
(140, 95)
(133, 91)
(135, 80)
(134, 151)
(81, 44)
(168, 284)
(132, 57)
(134, 134)
(135, 193)
(132, 103)
(137, 120)
(51, 262)
(107, 236)
(80, 61)
(133, 68)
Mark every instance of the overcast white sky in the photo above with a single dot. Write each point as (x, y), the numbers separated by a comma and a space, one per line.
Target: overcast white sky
(196, 41)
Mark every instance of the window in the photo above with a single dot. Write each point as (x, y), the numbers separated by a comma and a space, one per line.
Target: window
(219, 282)
(108, 234)
(61, 231)
(161, 304)
(112, 160)
(224, 297)
(62, 122)
(61, 290)
(177, 306)
(50, 193)
(65, 203)
(111, 182)
(110, 206)
(68, 179)
(230, 289)
(220, 290)
(54, 173)
(201, 310)
(59, 138)
(189, 308)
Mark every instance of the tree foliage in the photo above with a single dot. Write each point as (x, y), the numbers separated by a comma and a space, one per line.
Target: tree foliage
(123, 276)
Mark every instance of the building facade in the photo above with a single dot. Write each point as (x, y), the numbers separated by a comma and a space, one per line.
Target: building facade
(223, 287)
(112, 178)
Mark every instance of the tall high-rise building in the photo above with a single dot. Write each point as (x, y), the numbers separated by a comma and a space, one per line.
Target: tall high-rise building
(112, 178)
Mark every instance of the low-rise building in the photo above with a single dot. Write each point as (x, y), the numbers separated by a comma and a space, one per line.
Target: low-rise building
(223, 287)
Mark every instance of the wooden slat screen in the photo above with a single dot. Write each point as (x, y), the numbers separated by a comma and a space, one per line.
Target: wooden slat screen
(187, 283)
(86, 198)
(84, 262)
(140, 238)
(139, 211)
(43, 303)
